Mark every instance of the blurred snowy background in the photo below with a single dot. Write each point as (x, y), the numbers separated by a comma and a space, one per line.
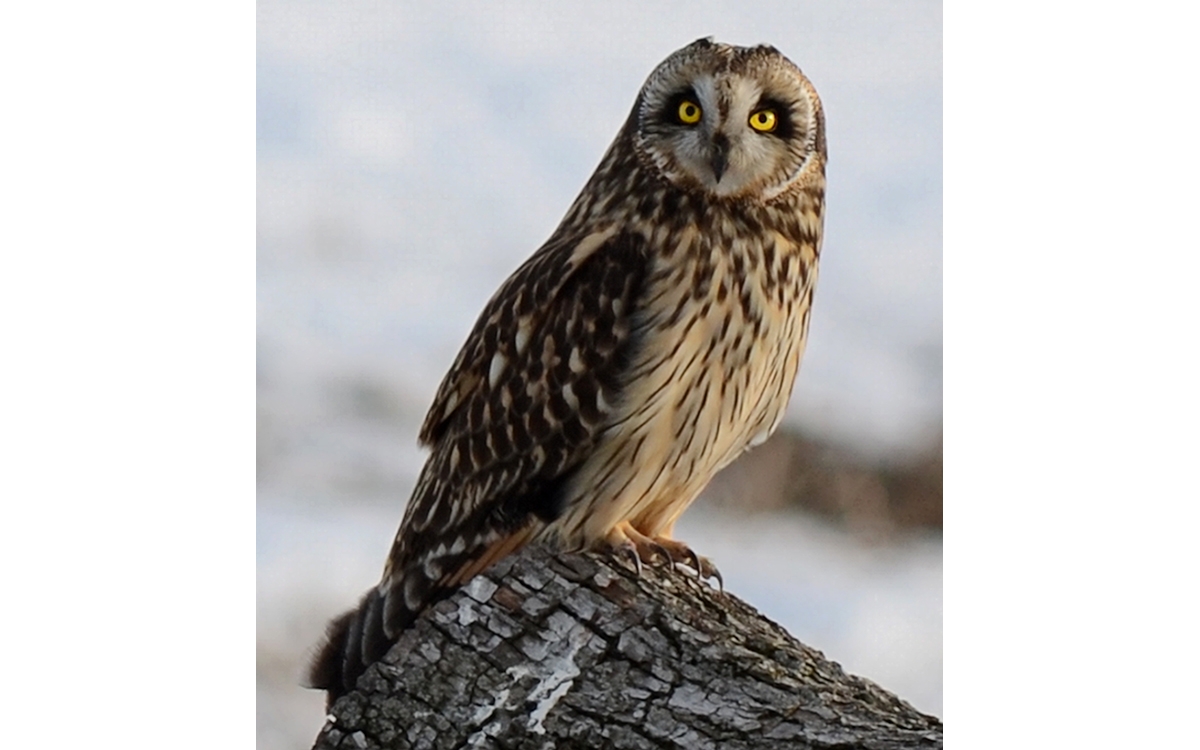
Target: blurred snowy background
(410, 156)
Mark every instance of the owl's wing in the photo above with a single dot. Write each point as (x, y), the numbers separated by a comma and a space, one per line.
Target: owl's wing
(523, 404)
(525, 401)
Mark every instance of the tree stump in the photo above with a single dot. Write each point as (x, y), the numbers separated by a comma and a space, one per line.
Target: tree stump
(554, 650)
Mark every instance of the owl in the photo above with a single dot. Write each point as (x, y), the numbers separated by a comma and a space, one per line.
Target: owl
(652, 339)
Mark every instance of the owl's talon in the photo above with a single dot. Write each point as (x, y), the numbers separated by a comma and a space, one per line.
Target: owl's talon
(660, 552)
(707, 570)
(681, 553)
(627, 541)
(628, 552)
(714, 573)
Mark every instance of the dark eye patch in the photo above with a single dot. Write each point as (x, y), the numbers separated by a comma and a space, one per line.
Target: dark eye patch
(670, 111)
(785, 128)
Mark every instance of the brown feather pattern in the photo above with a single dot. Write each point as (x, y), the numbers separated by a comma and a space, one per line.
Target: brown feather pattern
(652, 339)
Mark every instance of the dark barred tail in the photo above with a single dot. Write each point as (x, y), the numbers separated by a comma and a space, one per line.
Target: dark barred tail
(359, 638)
(353, 642)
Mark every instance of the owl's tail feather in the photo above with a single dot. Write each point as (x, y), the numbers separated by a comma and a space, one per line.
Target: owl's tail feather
(360, 637)
(353, 642)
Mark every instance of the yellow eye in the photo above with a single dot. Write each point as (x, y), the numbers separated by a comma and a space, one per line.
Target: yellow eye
(689, 112)
(764, 120)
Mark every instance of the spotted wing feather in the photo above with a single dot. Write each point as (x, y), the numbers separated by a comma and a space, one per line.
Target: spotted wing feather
(527, 398)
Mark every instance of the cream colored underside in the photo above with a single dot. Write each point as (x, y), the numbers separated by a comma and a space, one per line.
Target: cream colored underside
(676, 430)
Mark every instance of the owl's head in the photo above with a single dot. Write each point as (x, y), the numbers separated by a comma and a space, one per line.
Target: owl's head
(736, 122)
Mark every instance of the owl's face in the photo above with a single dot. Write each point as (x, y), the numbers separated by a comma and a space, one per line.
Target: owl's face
(736, 122)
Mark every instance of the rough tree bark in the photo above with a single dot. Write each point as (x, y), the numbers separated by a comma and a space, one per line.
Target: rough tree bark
(574, 650)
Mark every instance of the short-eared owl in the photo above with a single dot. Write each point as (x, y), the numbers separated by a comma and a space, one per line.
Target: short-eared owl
(651, 340)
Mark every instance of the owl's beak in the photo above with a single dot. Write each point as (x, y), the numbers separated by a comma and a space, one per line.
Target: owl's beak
(720, 155)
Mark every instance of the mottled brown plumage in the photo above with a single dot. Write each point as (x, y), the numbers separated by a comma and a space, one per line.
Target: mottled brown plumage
(651, 340)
